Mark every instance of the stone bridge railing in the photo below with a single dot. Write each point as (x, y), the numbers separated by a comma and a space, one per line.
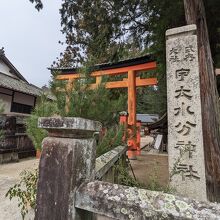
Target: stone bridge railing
(67, 188)
(104, 166)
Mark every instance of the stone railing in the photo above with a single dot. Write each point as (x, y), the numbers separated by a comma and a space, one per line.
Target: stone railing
(67, 188)
(104, 166)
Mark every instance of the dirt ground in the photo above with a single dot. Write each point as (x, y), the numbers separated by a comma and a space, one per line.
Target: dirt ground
(151, 166)
(9, 175)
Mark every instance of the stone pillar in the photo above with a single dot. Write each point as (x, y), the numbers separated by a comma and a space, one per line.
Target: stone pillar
(185, 136)
(67, 160)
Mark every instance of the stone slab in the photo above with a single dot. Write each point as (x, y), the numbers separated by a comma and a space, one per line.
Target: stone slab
(123, 202)
(107, 160)
(158, 142)
(69, 123)
(65, 163)
(184, 30)
(185, 136)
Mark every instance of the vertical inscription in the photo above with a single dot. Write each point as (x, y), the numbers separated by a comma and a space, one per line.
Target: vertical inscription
(185, 141)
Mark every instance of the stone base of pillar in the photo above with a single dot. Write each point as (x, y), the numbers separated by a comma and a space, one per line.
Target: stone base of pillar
(67, 160)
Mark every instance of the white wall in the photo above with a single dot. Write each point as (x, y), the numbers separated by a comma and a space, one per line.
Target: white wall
(6, 100)
(5, 69)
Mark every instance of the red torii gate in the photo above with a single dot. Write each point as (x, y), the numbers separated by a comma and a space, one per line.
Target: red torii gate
(130, 67)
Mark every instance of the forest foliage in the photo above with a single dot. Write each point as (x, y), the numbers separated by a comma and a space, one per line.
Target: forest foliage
(109, 31)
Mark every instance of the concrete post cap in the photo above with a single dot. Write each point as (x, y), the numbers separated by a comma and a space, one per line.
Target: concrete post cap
(68, 125)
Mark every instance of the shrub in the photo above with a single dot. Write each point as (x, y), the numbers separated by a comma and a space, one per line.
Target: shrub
(44, 108)
(25, 191)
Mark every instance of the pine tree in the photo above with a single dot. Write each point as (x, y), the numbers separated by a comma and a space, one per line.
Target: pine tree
(113, 30)
(44, 108)
(107, 31)
(96, 104)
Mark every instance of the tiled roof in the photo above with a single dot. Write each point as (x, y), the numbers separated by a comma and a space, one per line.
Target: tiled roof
(147, 118)
(105, 66)
(18, 85)
(161, 123)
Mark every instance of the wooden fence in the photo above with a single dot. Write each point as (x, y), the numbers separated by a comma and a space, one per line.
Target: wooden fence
(15, 143)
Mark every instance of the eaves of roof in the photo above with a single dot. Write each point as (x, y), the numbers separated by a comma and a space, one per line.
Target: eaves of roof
(18, 85)
(106, 66)
(12, 67)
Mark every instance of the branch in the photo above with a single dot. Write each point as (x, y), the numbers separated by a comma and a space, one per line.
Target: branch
(38, 4)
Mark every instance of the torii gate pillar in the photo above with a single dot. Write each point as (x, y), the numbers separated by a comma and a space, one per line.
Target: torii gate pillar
(130, 67)
(132, 142)
(131, 98)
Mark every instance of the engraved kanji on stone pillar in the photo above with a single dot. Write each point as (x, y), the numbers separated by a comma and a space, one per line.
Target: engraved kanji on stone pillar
(185, 138)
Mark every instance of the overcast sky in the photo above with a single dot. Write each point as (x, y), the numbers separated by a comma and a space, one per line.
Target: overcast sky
(30, 38)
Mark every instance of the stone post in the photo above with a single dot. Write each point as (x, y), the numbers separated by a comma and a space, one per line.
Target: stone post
(67, 160)
(185, 136)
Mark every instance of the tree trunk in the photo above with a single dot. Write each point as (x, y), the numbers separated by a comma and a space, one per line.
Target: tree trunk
(195, 14)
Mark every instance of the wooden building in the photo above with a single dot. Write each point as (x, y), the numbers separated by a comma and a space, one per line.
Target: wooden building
(18, 98)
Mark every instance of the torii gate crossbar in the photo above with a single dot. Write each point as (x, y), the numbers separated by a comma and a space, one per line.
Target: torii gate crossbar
(131, 82)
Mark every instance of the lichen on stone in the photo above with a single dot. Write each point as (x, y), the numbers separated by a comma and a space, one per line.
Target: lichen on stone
(131, 217)
(142, 194)
(130, 195)
(170, 197)
(124, 211)
(169, 206)
(147, 213)
(105, 191)
(182, 205)
(164, 215)
(188, 215)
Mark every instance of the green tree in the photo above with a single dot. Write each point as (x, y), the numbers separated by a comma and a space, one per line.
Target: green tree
(44, 108)
(113, 30)
(97, 104)
(108, 31)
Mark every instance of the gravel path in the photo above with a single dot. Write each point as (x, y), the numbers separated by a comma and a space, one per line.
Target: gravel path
(9, 175)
